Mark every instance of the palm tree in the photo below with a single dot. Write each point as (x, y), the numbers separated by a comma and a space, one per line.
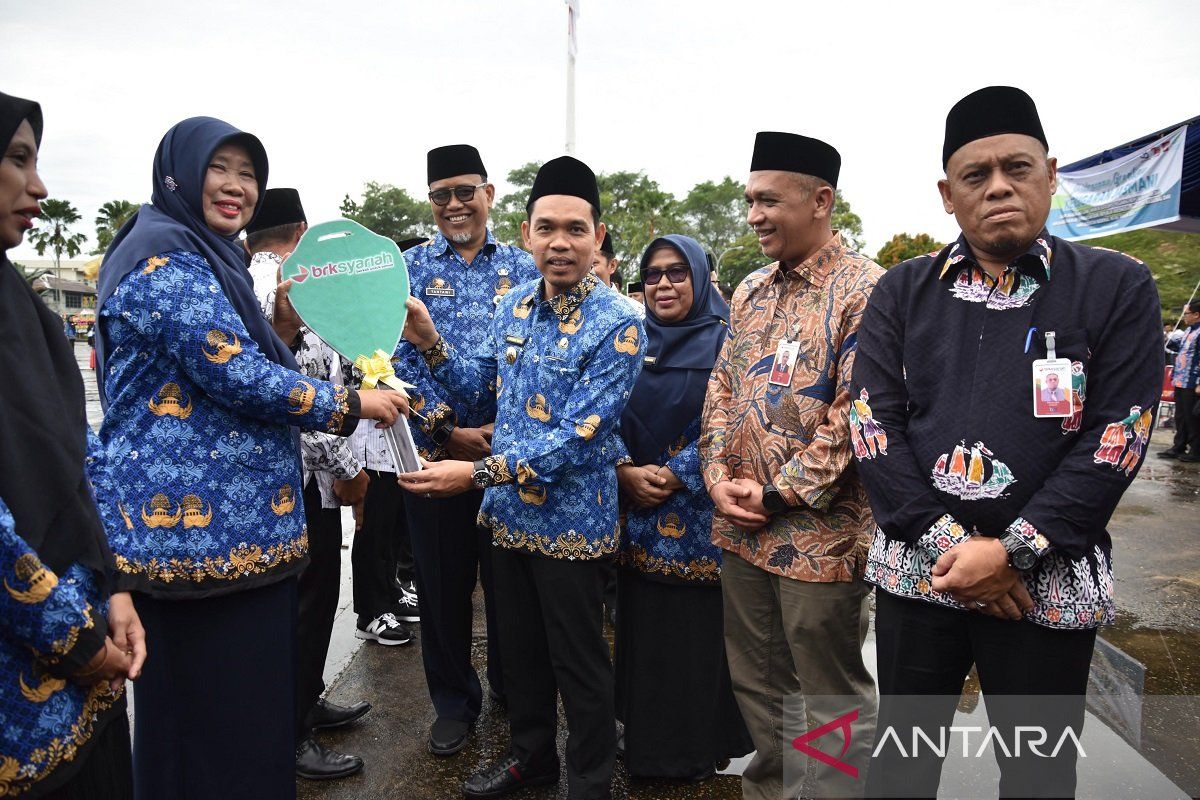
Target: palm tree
(112, 216)
(59, 214)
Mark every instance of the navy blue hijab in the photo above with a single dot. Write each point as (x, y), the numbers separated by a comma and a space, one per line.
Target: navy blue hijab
(174, 220)
(669, 393)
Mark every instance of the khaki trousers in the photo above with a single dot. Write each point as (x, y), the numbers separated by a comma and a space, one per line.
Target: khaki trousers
(786, 639)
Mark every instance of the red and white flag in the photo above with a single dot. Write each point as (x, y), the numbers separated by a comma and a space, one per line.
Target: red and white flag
(572, 26)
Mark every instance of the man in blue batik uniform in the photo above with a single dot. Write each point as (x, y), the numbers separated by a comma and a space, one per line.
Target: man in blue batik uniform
(461, 275)
(561, 358)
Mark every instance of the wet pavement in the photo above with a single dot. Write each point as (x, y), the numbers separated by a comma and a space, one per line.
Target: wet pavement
(1156, 535)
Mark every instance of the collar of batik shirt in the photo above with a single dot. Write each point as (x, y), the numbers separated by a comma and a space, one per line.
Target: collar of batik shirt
(816, 268)
(1034, 262)
(565, 304)
(439, 244)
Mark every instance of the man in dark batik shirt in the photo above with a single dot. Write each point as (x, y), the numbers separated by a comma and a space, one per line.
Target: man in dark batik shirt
(992, 548)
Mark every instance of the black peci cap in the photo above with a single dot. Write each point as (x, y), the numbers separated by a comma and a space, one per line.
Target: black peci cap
(453, 159)
(791, 152)
(568, 176)
(991, 111)
(279, 207)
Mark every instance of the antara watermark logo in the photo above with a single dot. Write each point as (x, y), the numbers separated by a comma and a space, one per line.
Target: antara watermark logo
(967, 741)
(1033, 737)
(353, 266)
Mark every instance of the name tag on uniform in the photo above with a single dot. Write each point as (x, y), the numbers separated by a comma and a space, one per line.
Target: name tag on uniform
(439, 291)
(1052, 396)
(785, 359)
(514, 344)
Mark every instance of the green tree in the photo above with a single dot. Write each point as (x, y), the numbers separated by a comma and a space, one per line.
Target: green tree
(715, 214)
(903, 246)
(636, 211)
(508, 212)
(846, 221)
(58, 216)
(112, 216)
(741, 258)
(389, 211)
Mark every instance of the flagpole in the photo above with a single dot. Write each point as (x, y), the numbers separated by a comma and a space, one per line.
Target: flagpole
(571, 23)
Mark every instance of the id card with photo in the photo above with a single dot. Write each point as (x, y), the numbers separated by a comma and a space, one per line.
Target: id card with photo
(785, 360)
(1052, 395)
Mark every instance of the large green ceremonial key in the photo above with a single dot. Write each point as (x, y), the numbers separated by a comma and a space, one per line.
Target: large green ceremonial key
(349, 285)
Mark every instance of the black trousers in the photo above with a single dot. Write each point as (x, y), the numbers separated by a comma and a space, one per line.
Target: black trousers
(107, 770)
(451, 552)
(381, 548)
(214, 704)
(1187, 426)
(927, 650)
(318, 588)
(552, 643)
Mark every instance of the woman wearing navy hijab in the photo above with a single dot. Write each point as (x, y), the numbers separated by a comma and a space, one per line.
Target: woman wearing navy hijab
(206, 522)
(673, 691)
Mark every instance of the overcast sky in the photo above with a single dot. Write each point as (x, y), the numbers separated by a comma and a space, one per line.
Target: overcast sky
(345, 92)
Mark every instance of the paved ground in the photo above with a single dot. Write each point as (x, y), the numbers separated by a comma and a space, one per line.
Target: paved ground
(1156, 533)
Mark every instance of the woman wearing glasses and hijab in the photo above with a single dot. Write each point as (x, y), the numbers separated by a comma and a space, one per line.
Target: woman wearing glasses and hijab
(673, 691)
(67, 646)
(206, 522)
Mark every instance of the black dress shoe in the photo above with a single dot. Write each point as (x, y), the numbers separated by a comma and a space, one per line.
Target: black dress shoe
(448, 736)
(318, 763)
(326, 715)
(1168, 454)
(1189, 458)
(507, 775)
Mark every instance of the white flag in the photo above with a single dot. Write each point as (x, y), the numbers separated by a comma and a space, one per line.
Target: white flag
(572, 25)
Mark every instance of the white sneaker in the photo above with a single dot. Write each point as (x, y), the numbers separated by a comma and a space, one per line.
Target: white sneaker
(410, 609)
(386, 630)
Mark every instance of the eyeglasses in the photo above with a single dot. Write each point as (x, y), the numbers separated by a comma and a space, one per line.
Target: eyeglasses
(465, 194)
(674, 275)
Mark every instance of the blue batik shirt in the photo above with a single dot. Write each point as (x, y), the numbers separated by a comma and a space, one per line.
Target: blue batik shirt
(673, 541)
(197, 450)
(52, 626)
(556, 374)
(1187, 361)
(461, 299)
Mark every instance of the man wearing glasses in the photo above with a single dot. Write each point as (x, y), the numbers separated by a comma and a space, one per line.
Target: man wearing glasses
(460, 275)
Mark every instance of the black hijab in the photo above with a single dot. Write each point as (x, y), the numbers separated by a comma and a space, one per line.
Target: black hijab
(43, 417)
(174, 220)
(684, 353)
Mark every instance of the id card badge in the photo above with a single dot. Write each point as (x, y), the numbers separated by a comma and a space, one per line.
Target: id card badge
(785, 359)
(1052, 395)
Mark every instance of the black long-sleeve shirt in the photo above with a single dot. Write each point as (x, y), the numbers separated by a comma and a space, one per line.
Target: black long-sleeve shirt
(944, 428)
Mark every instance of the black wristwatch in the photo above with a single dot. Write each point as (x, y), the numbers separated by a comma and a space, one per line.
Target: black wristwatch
(772, 500)
(1021, 556)
(441, 435)
(480, 475)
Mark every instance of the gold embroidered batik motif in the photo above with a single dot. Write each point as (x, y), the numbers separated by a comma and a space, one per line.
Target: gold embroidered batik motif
(44, 685)
(242, 560)
(521, 310)
(587, 428)
(61, 647)
(671, 526)
(627, 341)
(677, 446)
(536, 408)
(283, 501)
(571, 545)
(223, 349)
(170, 401)
(525, 473)
(16, 781)
(301, 398)
(497, 469)
(161, 515)
(534, 495)
(572, 323)
(37, 580)
(125, 517)
(154, 263)
(341, 407)
(438, 354)
(703, 569)
(194, 513)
